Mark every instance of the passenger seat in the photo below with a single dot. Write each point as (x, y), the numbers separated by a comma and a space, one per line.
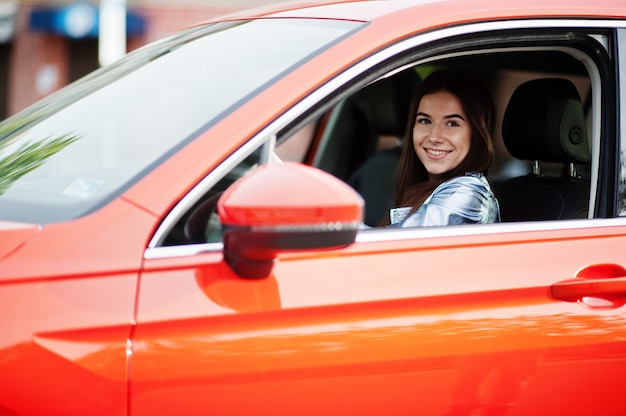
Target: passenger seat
(545, 122)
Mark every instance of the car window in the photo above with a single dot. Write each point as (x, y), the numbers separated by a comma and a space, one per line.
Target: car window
(358, 126)
(554, 186)
(94, 139)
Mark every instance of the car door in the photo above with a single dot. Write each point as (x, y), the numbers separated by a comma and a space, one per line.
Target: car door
(513, 319)
(422, 322)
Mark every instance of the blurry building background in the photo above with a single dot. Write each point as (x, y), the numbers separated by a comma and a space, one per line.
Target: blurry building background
(46, 44)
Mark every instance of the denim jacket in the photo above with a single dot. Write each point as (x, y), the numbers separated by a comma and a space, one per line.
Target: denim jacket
(462, 200)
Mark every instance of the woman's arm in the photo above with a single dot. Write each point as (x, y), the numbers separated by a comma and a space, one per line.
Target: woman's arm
(461, 200)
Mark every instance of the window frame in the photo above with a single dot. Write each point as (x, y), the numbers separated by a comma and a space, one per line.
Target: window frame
(420, 48)
(620, 152)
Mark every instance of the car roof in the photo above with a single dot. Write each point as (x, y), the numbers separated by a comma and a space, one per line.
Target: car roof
(449, 10)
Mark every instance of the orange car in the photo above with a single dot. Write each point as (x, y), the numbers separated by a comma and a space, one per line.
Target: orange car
(192, 230)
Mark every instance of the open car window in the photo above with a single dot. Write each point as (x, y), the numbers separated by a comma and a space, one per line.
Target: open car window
(546, 172)
(366, 120)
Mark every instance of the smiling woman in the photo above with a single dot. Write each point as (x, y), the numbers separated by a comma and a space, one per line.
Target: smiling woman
(442, 172)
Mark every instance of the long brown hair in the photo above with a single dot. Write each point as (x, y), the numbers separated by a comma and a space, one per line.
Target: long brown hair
(413, 185)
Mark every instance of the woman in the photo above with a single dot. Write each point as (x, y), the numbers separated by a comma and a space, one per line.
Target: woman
(442, 171)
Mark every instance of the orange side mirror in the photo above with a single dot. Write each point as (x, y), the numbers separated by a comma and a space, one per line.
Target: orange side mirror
(282, 208)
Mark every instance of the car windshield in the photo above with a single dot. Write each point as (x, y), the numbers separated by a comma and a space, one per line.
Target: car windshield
(74, 151)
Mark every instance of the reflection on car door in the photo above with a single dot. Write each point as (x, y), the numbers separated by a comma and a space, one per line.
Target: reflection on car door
(402, 322)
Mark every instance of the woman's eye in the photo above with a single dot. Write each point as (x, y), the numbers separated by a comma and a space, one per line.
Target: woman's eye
(423, 121)
(452, 123)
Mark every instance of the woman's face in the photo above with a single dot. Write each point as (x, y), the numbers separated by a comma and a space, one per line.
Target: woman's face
(442, 133)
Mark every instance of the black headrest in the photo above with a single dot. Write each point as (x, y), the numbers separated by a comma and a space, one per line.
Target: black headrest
(545, 121)
(386, 103)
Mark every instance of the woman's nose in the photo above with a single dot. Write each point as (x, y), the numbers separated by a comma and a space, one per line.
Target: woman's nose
(435, 135)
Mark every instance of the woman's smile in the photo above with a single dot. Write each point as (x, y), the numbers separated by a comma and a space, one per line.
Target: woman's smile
(436, 153)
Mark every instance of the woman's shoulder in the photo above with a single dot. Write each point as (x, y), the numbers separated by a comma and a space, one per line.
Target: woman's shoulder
(471, 181)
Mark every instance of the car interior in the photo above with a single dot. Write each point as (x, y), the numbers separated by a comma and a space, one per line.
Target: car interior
(543, 170)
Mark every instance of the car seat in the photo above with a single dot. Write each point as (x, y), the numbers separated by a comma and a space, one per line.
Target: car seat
(545, 122)
(385, 106)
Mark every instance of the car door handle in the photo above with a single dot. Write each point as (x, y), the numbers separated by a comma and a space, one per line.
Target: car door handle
(601, 281)
(574, 289)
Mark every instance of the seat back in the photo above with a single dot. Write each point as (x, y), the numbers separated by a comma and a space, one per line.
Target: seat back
(545, 122)
(353, 126)
(385, 106)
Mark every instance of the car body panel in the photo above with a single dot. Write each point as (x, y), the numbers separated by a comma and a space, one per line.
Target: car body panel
(450, 11)
(71, 314)
(14, 235)
(116, 239)
(64, 349)
(315, 326)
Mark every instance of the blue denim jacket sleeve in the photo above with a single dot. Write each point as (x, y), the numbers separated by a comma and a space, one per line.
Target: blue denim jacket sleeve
(461, 200)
